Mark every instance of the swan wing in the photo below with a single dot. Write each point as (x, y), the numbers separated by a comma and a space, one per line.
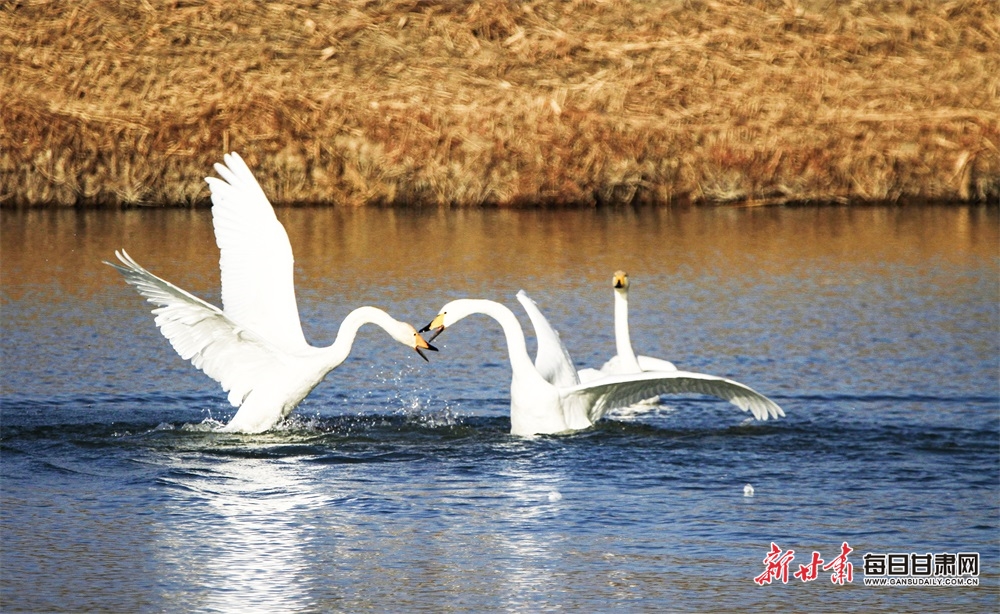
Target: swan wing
(614, 391)
(552, 361)
(234, 356)
(256, 260)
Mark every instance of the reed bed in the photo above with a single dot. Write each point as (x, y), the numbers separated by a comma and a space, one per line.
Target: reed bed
(449, 103)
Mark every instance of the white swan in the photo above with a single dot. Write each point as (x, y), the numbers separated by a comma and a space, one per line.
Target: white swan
(254, 346)
(554, 363)
(625, 360)
(549, 398)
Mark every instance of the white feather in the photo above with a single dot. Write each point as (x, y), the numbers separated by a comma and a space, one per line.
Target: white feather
(255, 259)
(254, 346)
(540, 405)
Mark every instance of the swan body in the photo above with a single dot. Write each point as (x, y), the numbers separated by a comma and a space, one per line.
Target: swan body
(546, 397)
(553, 358)
(253, 346)
(625, 359)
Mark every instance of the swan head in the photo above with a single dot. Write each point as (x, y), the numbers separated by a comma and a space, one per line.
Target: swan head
(453, 312)
(438, 324)
(460, 308)
(408, 335)
(620, 281)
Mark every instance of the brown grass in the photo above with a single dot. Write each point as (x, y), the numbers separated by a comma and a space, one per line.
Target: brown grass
(501, 103)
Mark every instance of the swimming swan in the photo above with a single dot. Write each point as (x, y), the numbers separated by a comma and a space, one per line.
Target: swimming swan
(554, 363)
(550, 399)
(625, 360)
(254, 346)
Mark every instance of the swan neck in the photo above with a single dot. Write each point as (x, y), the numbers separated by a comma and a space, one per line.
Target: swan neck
(517, 349)
(348, 331)
(623, 342)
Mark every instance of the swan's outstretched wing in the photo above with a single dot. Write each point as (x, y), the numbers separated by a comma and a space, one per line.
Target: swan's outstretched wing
(614, 391)
(256, 262)
(553, 360)
(235, 357)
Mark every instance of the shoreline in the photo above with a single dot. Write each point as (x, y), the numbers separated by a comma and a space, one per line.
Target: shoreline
(503, 104)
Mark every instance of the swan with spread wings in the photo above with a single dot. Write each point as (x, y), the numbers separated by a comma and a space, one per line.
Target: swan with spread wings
(254, 346)
(547, 397)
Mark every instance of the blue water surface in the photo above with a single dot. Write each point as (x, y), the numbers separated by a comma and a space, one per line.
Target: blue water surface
(396, 484)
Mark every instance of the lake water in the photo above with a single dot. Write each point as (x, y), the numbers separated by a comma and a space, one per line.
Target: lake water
(395, 486)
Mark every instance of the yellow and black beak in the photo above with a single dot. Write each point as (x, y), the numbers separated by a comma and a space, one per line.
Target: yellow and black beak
(620, 280)
(420, 344)
(436, 325)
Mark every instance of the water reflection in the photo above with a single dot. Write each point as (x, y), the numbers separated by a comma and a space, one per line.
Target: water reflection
(400, 247)
(530, 541)
(236, 531)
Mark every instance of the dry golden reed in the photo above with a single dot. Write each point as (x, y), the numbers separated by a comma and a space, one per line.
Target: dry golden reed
(424, 102)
